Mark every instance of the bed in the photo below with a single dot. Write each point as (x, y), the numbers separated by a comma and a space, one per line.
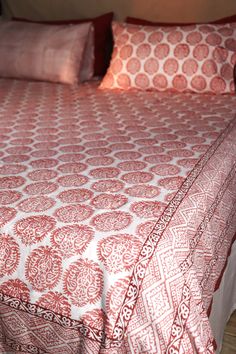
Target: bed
(117, 205)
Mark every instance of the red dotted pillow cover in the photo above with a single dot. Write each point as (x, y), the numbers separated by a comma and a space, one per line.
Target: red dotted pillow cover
(195, 58)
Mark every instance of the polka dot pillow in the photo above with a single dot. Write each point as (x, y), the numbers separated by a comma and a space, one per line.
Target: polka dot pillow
(196, 58)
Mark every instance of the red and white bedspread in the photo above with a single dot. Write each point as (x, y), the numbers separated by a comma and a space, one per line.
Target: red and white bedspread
(117, 213)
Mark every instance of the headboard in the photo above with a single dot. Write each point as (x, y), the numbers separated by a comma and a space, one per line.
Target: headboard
(159, 10)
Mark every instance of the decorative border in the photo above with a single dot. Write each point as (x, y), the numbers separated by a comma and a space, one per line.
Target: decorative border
(221, 276)
(218, 246)
(151, 243)
(184, 306)
(48, 315)
(179, 323)
(187, 263)
(139, 271)
(25, 348)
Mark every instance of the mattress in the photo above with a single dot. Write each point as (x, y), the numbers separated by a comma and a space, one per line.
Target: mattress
(117, 215)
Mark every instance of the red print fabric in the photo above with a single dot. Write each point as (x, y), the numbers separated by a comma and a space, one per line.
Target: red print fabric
(117, 212)
(196, 58)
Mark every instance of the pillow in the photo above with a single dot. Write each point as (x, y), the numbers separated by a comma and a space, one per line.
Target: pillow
(224, 20)
(195, 58)
(87, 63)
(102, 38)
(42, 52)
(142, 22)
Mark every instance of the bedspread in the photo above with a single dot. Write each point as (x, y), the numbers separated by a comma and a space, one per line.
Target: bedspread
(117, 213)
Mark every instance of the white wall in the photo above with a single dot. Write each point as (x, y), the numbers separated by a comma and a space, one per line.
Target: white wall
(163, 10)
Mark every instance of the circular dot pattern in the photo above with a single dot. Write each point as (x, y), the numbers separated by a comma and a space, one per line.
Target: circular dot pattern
(85, 176)
(190, 58)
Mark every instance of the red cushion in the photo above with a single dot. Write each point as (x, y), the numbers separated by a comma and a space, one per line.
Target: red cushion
(228, 19)
(139, 21)
(102, 38)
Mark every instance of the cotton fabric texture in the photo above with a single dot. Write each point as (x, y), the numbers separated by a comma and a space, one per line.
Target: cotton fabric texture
(47, 53)
(196, 58)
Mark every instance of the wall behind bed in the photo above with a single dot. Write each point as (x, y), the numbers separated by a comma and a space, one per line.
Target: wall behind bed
(161, 10)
